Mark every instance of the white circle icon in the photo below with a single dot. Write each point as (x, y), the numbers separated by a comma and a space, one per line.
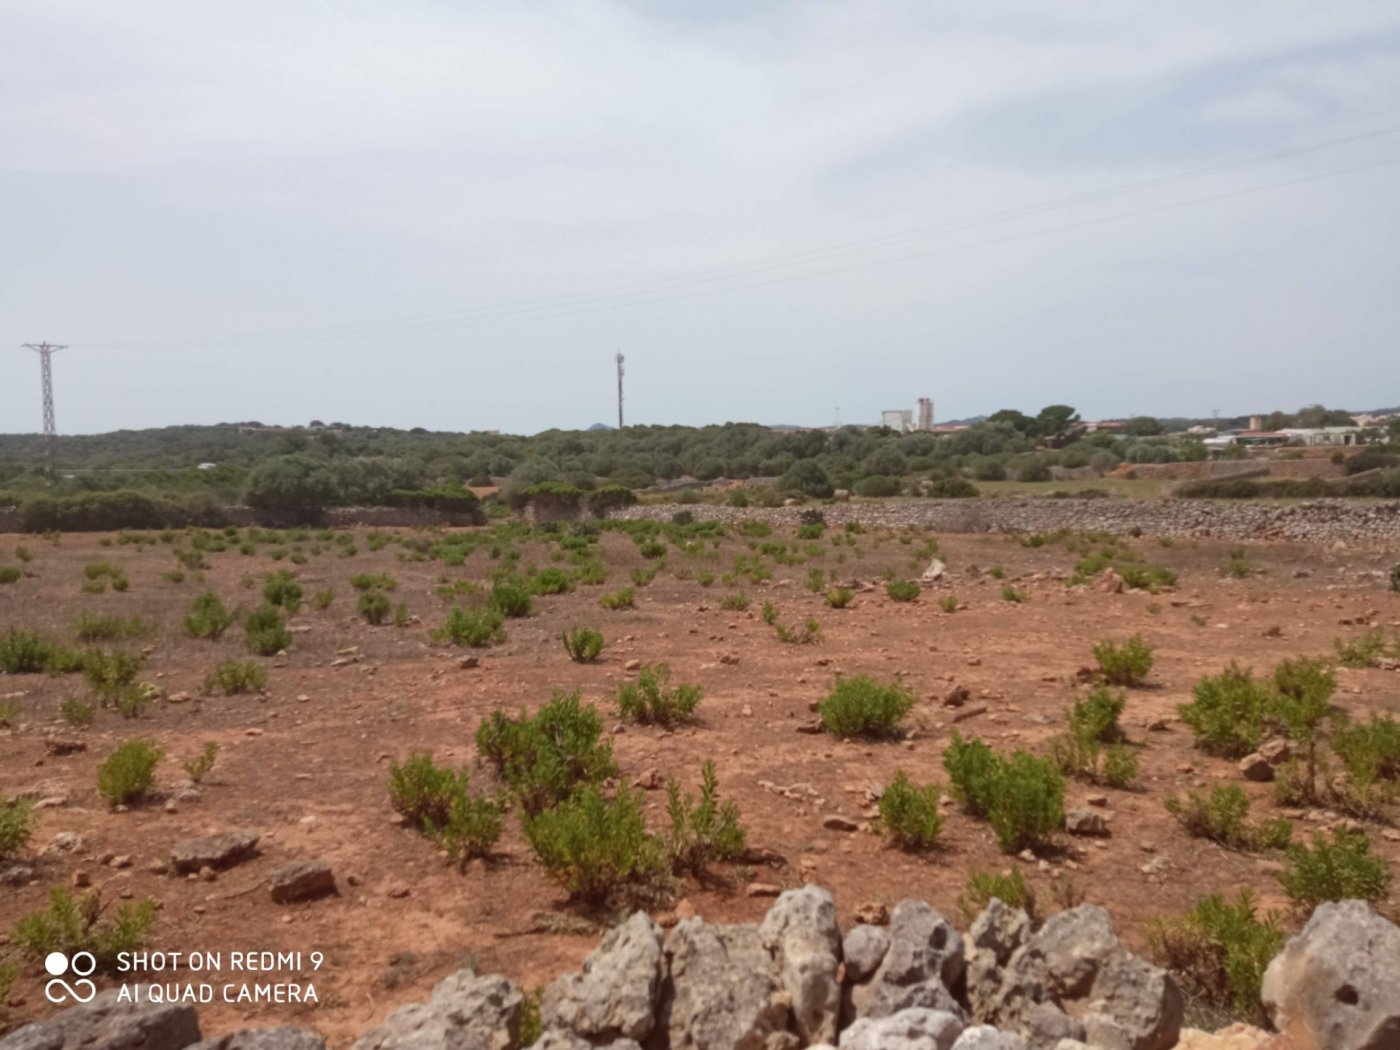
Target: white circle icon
(83, 964)
(56, 963)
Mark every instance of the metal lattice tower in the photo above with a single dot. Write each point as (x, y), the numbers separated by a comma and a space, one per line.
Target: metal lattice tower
(46, 352)
(619, 391)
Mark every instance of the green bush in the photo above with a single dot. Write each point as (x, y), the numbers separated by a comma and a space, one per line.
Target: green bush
(16, 825)
(77, 712)
(321, 600)
(365, 581)
(23, 652)
(1219, 950)
(1126, 664)
(1096, 716)
(594, 846)
(545, 759)
(9, 574)
(440, 803)
(1365, 650)
(128, 772)
(472, 627)
(952, 488)
(1302, 703)
(73, 924)
(902, 590)
(422, 791)
(233, 677)
(202, 764)
(1221, 818)
(282, 590)
(1227, 715)
(111, 672)
(1013, 594)
(839, 597)
(1093, 722)
(651, 701)
(265, 632)
(702, 831)
(374, 607)
(1338, 870)
(1022, 797)
(94, 627)
(909, 814)
(811, 632)
(1369, 750)
(1009, 888)
(551, 581)
(735, 602)
(582, 644)
(862, 706)
(623, 599)
(510, 600)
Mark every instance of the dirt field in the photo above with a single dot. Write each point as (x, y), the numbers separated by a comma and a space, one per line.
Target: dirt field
(305, 764)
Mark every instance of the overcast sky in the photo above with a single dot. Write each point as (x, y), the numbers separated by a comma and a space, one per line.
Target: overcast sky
(452, 214)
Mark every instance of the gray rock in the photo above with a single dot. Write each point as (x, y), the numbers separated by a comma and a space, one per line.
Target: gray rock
(800, 931)
(555, 1039)
(1046, 1025)
(1337, 983)
(1075, 945)
(16, 875)
(301, 880)
(863, 949)
(1256, 767)
(1136, 1006)
(466, 1012)
(616, 994)
(720, 991)
(913, 1029)
(213, 851)
(1000, 930)
(1085, 822)
(64, 842)
(107, 1024)
(985, 1037)
(265, 1039)
(924, 961)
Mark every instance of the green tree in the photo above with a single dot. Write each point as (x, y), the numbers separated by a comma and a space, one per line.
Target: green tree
(293, 487)
(808, 477)
(1143, 426)
(1010, 417)
(1054, 422)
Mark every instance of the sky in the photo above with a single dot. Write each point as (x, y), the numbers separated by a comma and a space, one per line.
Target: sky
(453, 214)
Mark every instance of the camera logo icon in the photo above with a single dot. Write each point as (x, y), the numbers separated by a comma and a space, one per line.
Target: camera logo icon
(81, 966)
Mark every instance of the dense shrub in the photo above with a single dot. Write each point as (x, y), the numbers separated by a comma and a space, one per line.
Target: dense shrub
(1303, 701)
(27, 652)
(1220, 950)
(1227, 714)
(594, 846)
(110, 511)
(877, 485)
(202, 764)
(651, 700)
(265, 632)
(623, 599)
(551, 581)
(902, 590)
(1126, 664)
(839, 597)
(582, 644)
(126, 775)
(546, 758)
(235, 676)
(15, 825)
(1021, 797)
(440, 803)
(73, 924)
(111, 672)
(510, 600)
(9, 574)
(1338, 870)
(862, 706)
(365, 581)
(282, 590)
(1220, 817)
(1009, 888)
(374, 606)
(909, 813)
(702, 830)
(472, 627)
(952, 488)
(97, 627)
(1081, 752)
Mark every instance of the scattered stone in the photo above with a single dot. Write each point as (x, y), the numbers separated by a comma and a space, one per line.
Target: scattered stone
(872, 912)
(301, 880)
(762, 889)
(649, 780)
(58, 746)
(924, 960)
(1085, 822)
(81, 879)
(1256, 767)
(283, 1038)
(1275, 752)
(957, 696)
(16, 875)
(213, 851)
(1097, 800)
(632, 665)
(917, 1028)
(108, 1024)
(181, 697)
(466, 1012)
(64, 842)
(616, 995)
(836, 822)
(466, 663)
(722, 990)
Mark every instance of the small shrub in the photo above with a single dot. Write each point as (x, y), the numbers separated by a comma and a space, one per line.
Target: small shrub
(282, 590)
(1008, 887)
(738, 601)
(265, 632)
(73, 924)
(1093, 722)
(110, 672)
(623, 599)
(1365, 650)
(1221, 818)
(862, 706)
(582, 644)
(16, 825)
(1303, 701)
(651, 701)
(25, 652)
(551, 581)
(510, 600)
(233, 677)
(811, 632)
(9, 574)
(422, 791)
(594, 846)
(1126, 664)
(321, 600)
(948, 603)
(90, 627)
(545, 759)
(1012, 594)
(128, 772)
(1022, 797)
(702, 831)
(472, 627)
(770, 613)
(365, 581)
(1332, 871)
(902, 590)
(1369, 750)
(24, 554)
(401, 617)
(1227, 715)
(909, 814)
(199, 767)
(473, 826)
(77, 712)
(207, 618)
(1220, 950)
(839, 597)
(374, 607)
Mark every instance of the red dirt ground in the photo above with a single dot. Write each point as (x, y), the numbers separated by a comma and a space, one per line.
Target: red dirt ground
(306, 764)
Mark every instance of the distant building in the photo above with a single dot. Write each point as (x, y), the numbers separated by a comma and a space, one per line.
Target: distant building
(1314, 436)
(900, 419)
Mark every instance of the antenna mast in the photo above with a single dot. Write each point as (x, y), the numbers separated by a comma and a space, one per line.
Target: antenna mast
(46, 352)
(619, 391)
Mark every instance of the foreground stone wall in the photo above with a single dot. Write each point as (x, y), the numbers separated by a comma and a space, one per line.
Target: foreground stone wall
(1316, 520)
(795, 981)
